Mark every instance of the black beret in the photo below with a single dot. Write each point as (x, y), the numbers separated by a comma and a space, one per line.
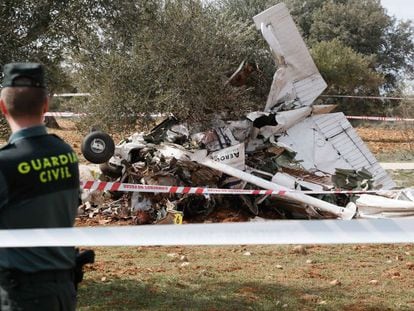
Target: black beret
(23, 74)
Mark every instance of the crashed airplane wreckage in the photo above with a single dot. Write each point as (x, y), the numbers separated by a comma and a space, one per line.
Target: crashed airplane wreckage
(293, 144)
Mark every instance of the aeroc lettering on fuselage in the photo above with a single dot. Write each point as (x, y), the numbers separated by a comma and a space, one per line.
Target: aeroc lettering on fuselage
(51, 168)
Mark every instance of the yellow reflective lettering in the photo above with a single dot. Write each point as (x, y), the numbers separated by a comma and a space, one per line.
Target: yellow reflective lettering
(55, 173)
(36, 164)
(55, 161)
(75, 157)
(46, 163)
(23, 168)
(42, 177)
(63, 159)
(68, 174)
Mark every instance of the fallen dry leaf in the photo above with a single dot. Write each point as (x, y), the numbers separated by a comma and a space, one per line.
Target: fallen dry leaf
(335, 282)
(184, 258)
(104, 221)
(310, 298)
(172, 255)
(393, 273)
(300, 249)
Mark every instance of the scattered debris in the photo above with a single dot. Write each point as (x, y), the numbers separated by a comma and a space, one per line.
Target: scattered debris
(292, 146)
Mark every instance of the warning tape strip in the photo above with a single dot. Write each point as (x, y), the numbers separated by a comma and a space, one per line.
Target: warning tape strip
(369, 97)
(64, 114)
(386, 119)
(116, 186)
(269, 232)
(72, 95)
(329, 96)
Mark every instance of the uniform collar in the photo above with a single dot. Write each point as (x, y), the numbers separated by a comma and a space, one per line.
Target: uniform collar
(27, 132)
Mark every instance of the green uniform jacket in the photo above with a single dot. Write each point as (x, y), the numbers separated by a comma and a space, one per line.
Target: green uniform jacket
(39, 188)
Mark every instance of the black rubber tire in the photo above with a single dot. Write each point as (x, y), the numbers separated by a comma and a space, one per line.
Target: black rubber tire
(98, 147)
(113, 171)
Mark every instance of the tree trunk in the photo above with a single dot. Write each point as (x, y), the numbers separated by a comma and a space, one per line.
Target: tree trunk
(51, 122)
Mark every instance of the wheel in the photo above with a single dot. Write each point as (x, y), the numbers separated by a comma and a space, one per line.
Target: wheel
(110, 170)
(98, 147)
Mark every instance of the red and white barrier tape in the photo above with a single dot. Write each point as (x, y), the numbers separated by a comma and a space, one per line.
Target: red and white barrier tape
(328, 96)
(72, 95)
(116, 186)
(374, 118)
(64, 114)
(369, 97)
(386, 119)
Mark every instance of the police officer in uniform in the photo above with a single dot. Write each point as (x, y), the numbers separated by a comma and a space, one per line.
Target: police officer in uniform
(39, 188)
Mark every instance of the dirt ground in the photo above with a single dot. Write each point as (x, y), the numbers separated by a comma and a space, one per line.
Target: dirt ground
(388, 140)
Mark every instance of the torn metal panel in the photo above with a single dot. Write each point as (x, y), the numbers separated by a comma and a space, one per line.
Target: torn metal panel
(270, 124)
(233, 156)
(297, 77)
(406, 195)
(291, 182)
(326, 142)
(341, 212)
(374, 206)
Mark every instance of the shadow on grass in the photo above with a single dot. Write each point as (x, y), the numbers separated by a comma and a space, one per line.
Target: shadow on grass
(120, 294)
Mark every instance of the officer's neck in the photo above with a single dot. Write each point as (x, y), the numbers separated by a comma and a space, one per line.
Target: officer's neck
(21, 123)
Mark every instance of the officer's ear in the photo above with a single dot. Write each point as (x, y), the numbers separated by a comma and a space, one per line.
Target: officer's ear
(46, 105)
(3, 107)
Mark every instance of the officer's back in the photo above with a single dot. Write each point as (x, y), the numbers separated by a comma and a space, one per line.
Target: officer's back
(39, 187)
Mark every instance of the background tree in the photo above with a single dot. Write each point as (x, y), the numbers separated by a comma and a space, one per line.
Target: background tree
(176, 60)
(175, 55)
(381, 46)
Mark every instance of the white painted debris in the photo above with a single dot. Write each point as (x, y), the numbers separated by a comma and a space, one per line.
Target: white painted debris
(328, 141)
(90, 172)
(374, 206)
(233, 156)
(297, 77)
(347, 212)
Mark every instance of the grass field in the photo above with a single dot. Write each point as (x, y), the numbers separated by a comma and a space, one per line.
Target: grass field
(367, 277)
